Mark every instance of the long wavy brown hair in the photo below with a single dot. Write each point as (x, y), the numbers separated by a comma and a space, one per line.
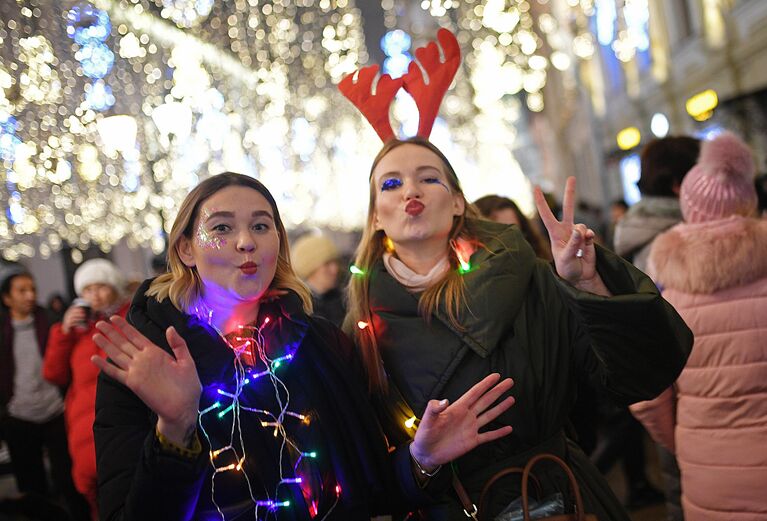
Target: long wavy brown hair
(449, 288)
(182, 284)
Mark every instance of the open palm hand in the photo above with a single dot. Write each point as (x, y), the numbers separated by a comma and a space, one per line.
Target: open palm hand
(447, 432)
(167, 385)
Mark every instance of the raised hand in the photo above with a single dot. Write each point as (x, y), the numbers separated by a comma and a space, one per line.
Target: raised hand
(74, 316)
(448, 431)
(168, 386)
(572, 245)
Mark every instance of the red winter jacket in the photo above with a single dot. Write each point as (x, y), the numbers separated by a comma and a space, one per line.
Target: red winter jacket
(67, 364)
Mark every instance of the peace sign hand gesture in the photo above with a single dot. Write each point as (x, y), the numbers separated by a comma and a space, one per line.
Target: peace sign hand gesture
(572, 245)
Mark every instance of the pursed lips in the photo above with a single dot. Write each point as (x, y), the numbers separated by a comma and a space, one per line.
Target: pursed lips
(414, 208)
(249, 268)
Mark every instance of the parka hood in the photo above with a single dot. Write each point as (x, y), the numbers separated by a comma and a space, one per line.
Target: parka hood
(711, 256)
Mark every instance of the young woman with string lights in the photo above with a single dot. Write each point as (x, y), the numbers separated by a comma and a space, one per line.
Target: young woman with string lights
(225, 399)
(440, 299)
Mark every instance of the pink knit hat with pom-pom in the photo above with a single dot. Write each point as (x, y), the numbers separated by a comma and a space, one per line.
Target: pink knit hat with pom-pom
(721, 184)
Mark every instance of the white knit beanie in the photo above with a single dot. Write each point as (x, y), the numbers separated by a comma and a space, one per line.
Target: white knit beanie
(98, 271)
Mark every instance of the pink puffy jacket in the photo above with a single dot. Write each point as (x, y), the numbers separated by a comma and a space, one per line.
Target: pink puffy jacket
(715, 417)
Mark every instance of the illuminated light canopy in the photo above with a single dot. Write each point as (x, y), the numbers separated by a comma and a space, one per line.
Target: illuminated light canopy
(396, 42)
(85, 23)
(395, 45)
(99, 96)
(89, 166)
(560, 60)
(277, 116)
(186, 13)
(628, 138)
(96, 59)
(8, 145)
(701, 106)
(173, 118)
(659, 125)
(606, 19)
(118, 132)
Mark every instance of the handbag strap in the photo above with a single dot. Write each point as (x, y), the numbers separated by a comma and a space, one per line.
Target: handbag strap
(498, 475)
(469, 508)
(579, 511)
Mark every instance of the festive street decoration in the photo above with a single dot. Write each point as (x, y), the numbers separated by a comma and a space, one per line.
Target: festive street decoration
(245, 86)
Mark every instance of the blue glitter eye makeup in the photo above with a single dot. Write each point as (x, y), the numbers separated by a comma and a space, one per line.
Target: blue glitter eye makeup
(391, 184)
(436, 181)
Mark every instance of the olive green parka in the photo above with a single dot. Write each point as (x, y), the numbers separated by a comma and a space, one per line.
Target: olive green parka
(521, 320)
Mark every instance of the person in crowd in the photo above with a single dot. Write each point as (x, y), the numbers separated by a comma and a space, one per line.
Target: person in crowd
(618, 209)
(713, 269)
(56, 308)
(100, 286)
(446, 299)
(664, 163)
(504, 210)
(591, 216)
(159, 263)
(31, 409)
(315, 260)
(225, 398)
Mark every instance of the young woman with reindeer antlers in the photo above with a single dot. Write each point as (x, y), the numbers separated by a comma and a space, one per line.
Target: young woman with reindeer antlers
(443, 299)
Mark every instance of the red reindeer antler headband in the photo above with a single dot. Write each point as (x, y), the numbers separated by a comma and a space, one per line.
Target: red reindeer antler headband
(427, 85)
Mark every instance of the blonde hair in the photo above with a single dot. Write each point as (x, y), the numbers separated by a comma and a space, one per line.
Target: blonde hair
(449, 288)
(182, 284)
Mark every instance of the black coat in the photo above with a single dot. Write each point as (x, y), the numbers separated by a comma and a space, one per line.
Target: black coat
(139, 481)
(524, 322)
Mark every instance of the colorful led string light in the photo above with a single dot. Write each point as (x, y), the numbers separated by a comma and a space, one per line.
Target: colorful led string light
(248, 344)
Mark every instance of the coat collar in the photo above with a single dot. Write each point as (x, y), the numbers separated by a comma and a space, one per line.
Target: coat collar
(495, 288)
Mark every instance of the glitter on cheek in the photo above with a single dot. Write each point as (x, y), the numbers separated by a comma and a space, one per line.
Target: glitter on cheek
(204, 239)
(207, 241)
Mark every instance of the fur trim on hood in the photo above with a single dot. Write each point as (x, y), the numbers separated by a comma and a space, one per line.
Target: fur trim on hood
(711, 256)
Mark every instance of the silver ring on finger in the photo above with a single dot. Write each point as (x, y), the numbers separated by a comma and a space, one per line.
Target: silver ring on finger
(579, 253)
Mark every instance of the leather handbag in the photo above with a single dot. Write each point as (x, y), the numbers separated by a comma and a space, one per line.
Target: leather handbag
(480, 514)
